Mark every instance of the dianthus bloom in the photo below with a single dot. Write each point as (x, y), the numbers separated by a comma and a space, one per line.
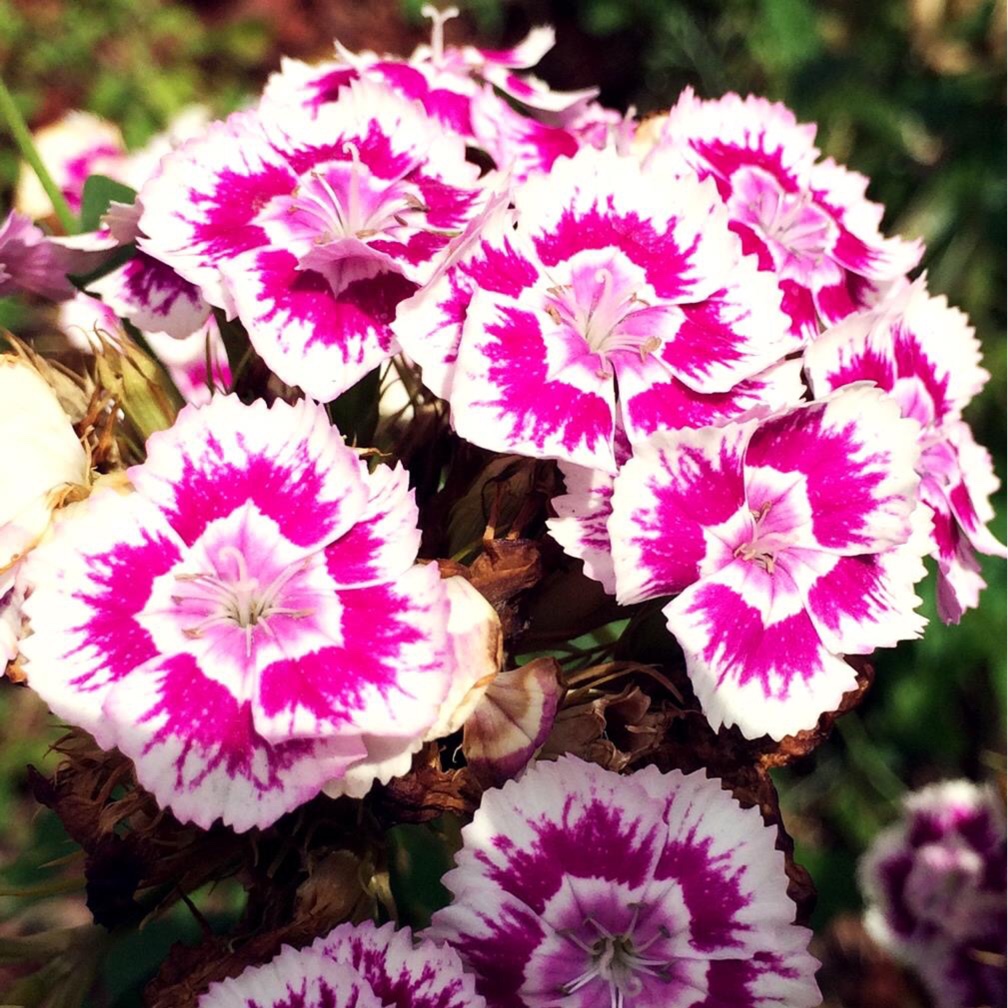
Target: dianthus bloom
(355, 965)
(249, 625)
(312, 228)
(459, 87)
(935, 887)
(31, 261)
(791, 541)
(578, 887)
(608, 279)
(925, 355)
(807, 220)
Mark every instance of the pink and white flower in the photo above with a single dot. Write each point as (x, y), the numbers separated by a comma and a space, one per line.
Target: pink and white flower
(360, 965)
(605, 279)
(250, 624)
(578, 887)
(807, 220)
(925, 355)
(935, 887)
(312, 228)
(791, 541)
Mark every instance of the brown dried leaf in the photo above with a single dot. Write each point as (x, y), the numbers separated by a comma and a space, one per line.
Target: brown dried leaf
(614, 730)
(506, 568)
(427, 791)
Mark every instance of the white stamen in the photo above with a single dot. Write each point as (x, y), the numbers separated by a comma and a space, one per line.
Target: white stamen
(438, 19)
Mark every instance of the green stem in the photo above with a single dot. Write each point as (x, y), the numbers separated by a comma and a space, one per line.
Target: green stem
(22, 137)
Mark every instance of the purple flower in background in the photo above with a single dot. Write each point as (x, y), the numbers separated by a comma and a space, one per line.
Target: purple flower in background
(250, 625)
(579, 888)
(360, 965)
(31, 261)
(935, 887)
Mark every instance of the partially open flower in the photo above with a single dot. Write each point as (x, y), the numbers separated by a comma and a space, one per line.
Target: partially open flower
(250, 623)
(354, 966)
(935, 885)
(578, 887)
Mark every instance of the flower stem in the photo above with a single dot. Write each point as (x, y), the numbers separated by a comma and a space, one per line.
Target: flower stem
(22, 137)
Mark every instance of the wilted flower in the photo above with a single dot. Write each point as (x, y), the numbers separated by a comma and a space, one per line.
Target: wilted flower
(935, 887)
(807, 220)
(250, 624)
(791, 541)
(31, 261)
(312, 228)
(925, 355)
(355, 965)
(608, 279)
(578, 887)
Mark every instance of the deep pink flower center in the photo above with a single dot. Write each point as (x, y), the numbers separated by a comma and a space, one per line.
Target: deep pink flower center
(795, 228)
(231, 596)
(343, 199)
(599, 305)
(618, 961)
(770, 536)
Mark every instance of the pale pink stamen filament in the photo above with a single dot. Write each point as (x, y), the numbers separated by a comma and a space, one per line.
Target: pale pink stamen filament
(616, 960)
(237, 600)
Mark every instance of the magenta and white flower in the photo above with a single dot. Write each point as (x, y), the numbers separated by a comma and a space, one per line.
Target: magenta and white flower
(935, 887)
(354, 965)
(76, 146)
(925, 355)
(249, 625)
(807, 220)
(578, 887)
(788, 541)
(312, 228)
(607, 279)
(461, 87)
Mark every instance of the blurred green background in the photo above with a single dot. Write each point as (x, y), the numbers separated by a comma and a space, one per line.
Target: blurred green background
(910, 92)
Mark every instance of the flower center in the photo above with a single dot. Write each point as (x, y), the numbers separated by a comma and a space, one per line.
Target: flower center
(792, 224)
(617, 961)
(343, 199)
(762, 549)
(235, 597)
(600, 307)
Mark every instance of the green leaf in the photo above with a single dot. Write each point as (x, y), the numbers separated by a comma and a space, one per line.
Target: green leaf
(99, 191)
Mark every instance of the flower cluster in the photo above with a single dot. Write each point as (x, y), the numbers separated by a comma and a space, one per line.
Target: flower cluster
(682, 348)
(935, 887)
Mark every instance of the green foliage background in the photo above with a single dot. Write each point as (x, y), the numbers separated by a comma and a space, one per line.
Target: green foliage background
(914, 100)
